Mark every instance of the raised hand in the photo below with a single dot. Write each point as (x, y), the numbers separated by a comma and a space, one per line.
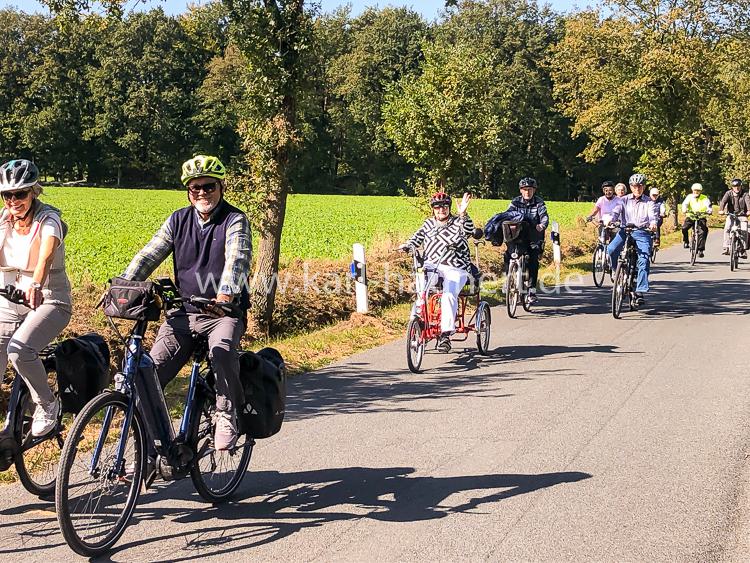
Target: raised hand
(464, 203)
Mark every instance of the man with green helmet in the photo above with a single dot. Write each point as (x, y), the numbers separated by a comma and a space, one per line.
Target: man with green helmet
(210, 243)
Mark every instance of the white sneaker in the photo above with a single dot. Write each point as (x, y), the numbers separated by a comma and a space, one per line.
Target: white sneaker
(225, 432)
(45, 418)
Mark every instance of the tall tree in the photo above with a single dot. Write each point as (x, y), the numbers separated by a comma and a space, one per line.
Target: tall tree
(640, 81)
(274, 37)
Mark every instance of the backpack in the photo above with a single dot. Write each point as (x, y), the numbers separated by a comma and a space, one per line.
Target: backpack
(263, 379)
(82, 366)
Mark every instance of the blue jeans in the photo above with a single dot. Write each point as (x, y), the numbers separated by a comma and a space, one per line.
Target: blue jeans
(643, 246)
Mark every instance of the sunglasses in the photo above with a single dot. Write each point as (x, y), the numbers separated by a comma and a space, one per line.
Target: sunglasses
(19, 195)
(441, 206)
(206, 188)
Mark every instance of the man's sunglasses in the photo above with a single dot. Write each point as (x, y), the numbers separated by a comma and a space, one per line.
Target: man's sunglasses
(207, 188)
(19, 195)
(440, 205)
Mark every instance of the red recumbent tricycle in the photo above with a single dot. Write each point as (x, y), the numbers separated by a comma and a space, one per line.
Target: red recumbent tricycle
(424, 325)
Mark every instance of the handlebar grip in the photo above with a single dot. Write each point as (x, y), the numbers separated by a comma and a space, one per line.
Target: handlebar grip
(230, 309)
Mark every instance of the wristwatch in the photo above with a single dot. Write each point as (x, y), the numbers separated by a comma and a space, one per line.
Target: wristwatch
(36, 285)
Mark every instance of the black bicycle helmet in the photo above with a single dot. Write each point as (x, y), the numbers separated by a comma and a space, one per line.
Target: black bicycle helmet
(737, 182)
(18, 174)
(608, 184)
(527, 183)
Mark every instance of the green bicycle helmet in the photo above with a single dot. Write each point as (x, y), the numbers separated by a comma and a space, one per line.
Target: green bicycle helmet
(202, 165)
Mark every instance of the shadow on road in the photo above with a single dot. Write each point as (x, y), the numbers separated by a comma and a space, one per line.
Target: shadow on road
(295, 501)
(357, 387)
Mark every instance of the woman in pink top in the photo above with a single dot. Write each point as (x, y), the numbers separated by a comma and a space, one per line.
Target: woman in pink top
(604, 206)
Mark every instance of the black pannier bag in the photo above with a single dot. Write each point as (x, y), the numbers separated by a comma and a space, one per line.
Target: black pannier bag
(133, 300)
(82, 366)
(263, 378)
(8, 449)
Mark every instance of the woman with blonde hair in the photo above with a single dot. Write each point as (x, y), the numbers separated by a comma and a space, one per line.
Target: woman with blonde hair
(32, 258)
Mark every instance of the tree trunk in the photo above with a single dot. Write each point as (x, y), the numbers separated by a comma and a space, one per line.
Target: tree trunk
(265, 278)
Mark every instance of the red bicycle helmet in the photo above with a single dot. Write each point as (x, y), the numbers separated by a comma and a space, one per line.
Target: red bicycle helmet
(439, 199)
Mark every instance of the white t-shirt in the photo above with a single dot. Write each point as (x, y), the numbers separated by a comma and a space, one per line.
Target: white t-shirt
(16, 247)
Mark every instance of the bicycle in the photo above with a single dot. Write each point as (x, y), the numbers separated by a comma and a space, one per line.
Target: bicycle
(626, 274)
(737, 244)
(103, 463)
(600, 266)
(517, 282)
(694, 235)
(35, 457)
(425, 325)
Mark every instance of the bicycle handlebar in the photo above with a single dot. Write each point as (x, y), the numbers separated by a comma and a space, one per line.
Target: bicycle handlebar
(206, 304)
(14, 295)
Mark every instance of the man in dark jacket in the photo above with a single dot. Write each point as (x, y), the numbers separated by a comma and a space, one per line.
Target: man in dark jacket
(738, 202)
(211, 248)
(530, 210)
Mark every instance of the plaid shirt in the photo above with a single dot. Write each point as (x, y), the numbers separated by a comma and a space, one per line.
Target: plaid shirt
(237, 254)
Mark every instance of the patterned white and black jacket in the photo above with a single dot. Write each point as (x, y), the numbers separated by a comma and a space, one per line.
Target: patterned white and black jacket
(435, 237)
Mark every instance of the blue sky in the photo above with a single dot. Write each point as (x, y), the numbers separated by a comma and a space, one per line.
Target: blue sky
(428, 8)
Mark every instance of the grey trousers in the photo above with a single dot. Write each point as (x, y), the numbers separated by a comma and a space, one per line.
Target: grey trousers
(23, 335)
(174, 345)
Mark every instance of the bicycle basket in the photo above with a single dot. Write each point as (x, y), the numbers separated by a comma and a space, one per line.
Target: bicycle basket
(511, 231)
(132, 300)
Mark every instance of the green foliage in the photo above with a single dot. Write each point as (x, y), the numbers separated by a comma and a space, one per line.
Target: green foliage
(107, 226)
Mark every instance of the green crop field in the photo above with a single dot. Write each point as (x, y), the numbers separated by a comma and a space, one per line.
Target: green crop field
(108, 226)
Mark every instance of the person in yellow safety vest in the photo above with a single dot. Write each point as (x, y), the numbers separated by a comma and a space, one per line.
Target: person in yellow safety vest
(696, 208)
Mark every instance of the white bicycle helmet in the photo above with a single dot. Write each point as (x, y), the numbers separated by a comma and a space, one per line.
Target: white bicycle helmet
(697, 186)
(637, 179)
(18, 175)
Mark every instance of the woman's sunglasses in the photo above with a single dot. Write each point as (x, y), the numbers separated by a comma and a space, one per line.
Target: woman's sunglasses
(207, 188)
(19, 195)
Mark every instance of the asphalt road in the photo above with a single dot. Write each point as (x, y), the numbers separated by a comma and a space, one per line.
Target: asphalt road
(580, 437)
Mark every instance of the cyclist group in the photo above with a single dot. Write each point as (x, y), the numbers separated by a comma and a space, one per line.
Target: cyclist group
(210, 244)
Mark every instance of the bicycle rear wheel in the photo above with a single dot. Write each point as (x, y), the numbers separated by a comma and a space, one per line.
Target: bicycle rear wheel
(38, 461)
(415, 345)
(94, 501)
(216, 474)
(619, 289)
(512, 294)
(598, 265)
(483, 322)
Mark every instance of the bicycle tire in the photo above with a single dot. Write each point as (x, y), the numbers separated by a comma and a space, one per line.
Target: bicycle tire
(654, 250)
(415, 345)
(483, 324)
(512, 293)
(598, 267)
(45, 456)
(109, 481)
(693, 247)
(618, 289)
(734, 255)
(203, 432)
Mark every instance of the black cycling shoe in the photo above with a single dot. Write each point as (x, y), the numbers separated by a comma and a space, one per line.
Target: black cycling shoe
(444, 342)
(685, 245)
(639, 300)
(700, 254)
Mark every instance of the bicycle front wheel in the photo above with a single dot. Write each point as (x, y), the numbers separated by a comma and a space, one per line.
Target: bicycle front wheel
(513, 292)
(693, 248)
(216, 474)
(598, 266)
(38, 460)
(97, 488)
(734, 255)
(415, 345)
(619, 289)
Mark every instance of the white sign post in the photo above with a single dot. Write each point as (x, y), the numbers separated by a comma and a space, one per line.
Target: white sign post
(359, 274)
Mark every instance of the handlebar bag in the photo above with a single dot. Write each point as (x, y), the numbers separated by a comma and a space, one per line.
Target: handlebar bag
(82, 366)
(263, 378)
(133, 300)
